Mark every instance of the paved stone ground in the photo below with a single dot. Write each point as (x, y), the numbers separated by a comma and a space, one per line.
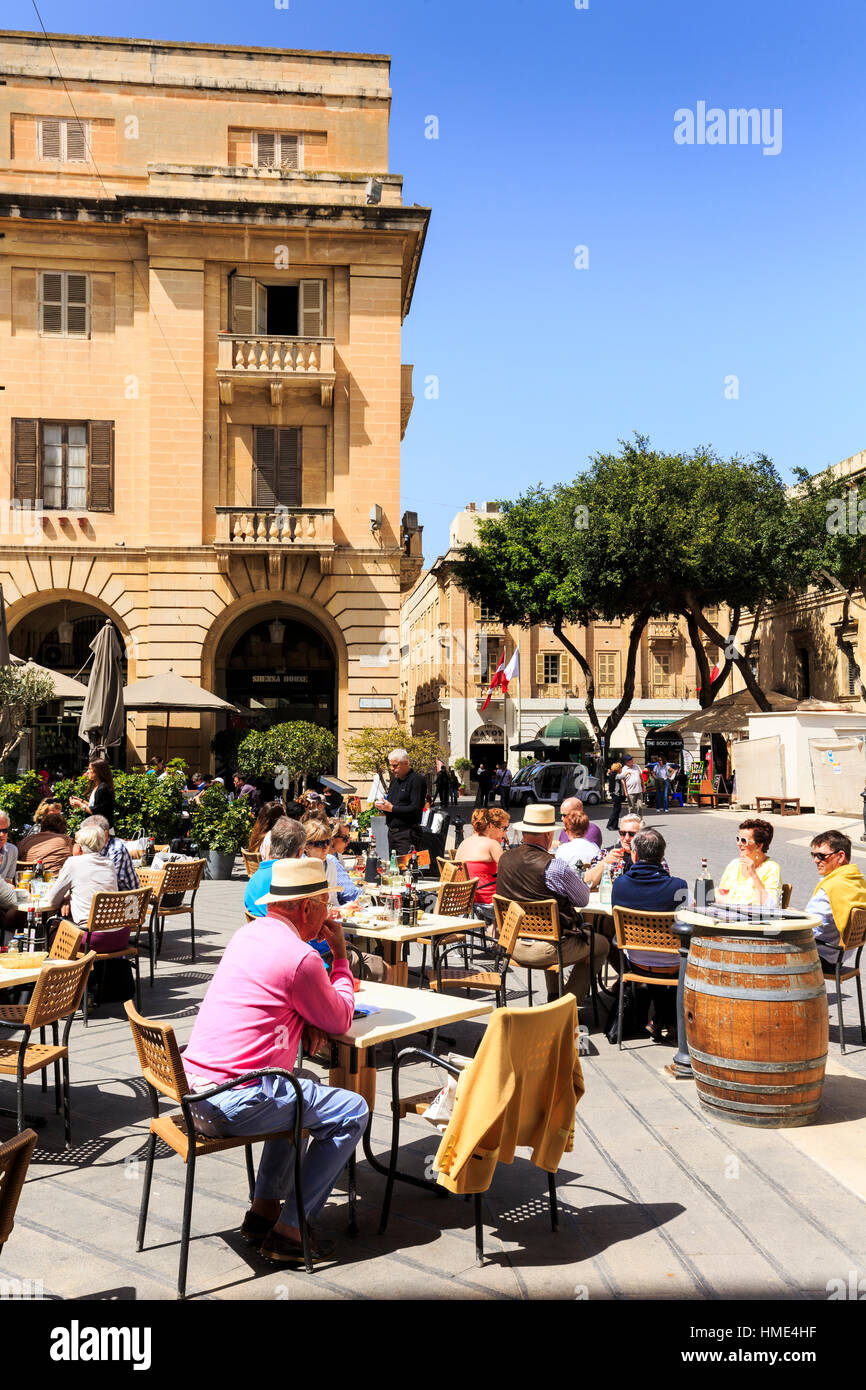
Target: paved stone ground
(657, 1200)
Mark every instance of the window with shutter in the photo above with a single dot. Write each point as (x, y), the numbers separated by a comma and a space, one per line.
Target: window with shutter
(565, 671)
(25, 453)
(539, 668)
(100, 473)
(289, 469)
(551, 668)
(243, 294)
(265, 465)
(312, 315)
(48, 132)
(289, 152)
(275, 149)
(64, 303)
(277, 459)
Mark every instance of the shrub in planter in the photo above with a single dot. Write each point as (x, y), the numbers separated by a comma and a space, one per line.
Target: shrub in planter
(19, 800)
(220, 826)
(141, 801)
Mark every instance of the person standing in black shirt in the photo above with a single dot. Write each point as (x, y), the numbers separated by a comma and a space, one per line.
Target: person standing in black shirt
(407, 793)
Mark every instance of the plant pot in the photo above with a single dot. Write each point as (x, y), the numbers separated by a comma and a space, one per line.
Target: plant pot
(219, 865)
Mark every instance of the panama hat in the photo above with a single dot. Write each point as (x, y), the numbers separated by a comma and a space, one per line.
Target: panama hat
(538, 817)
(293, 879)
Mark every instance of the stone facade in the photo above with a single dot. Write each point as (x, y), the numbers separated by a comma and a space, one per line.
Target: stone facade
(450, 649)
(202, 301)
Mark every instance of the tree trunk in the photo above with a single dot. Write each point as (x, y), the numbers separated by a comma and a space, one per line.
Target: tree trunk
(603, 734)
(736, 655)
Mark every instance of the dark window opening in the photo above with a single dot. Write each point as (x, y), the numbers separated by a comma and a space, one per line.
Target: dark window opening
(282, 310)
(804, 682)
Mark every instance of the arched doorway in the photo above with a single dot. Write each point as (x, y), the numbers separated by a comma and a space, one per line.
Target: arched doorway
(487, 745)
(275, 669)
(58, 635)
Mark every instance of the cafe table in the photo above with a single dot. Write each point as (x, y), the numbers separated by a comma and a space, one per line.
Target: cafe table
(395, 937)
(401, 1012)
(14, 979)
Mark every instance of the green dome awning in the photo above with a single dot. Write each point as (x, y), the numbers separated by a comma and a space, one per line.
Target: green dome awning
(566, 726)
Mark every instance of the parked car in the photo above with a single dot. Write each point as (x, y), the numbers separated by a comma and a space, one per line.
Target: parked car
(552, 783)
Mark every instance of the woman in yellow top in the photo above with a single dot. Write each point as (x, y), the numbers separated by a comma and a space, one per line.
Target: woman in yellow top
(752, 879)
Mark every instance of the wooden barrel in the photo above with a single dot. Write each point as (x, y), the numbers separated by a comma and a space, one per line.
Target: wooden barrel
(757, 1027)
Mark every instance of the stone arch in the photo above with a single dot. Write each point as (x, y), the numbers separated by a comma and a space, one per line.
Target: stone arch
(22, 608)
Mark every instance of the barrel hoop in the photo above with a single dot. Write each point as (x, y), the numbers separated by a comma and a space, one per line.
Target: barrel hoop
(803, 1107)
(740, 1065)
(772, 996)
(734, 968)
(724, 1085)
(761, 944)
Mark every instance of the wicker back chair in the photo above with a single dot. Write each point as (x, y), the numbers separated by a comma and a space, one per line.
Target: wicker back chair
(644, 931)
(67, 942)
(163, 1070)
(110, 912)
(14, 1162)
(181, 877)
(854, 937)
(252, 859)
(56, 996)
(469, 977)
(452, 871)
(456, 899)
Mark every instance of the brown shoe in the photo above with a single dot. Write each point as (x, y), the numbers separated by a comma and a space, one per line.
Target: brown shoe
(255, 1227)
(280, 1250)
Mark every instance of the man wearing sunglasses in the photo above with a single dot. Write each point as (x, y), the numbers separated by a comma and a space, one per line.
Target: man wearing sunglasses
(617, 858)
(842, 888)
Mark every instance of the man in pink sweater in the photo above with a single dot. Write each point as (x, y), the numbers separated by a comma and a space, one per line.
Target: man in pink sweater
(270, 988)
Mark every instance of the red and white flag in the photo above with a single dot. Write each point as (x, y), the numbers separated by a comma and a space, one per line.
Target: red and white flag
(502, 675)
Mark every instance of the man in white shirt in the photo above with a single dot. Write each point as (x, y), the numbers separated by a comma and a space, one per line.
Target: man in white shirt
(632, 782)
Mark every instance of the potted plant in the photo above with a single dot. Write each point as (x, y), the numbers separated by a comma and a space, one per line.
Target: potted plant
(463, 768)
(221, 828)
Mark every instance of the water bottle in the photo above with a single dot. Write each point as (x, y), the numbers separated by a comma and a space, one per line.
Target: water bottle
(705, 889)
(605, 887)
(37, 886)
(392, 864)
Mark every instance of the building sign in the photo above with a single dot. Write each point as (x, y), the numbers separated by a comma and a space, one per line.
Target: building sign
(375, 702)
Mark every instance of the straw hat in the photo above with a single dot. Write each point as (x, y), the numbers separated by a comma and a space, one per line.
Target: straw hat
(294, 879)
(538, 818)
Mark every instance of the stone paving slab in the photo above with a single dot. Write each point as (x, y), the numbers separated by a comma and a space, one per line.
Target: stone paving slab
(658, 1200)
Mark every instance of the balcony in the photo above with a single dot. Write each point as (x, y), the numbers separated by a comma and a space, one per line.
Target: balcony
(265, 359)
(275, 533)
(664, 630)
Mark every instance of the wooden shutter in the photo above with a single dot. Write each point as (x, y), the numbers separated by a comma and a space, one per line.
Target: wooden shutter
(565, 671)
(289, 152)
(49, 138)
(539, 668)
(312, 309)
(51, 302)
(261, 308)
(100, 466)
(288, 489)
(76, 304)
(25, 453)
(76, 140)
(265, 466)
(243, 298)
(265, 149)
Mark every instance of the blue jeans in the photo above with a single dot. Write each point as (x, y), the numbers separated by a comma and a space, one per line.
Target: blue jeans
(663, 787)
(336, 1119)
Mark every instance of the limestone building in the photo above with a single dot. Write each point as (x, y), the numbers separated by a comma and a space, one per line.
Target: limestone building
(204, 269)
(450, 648)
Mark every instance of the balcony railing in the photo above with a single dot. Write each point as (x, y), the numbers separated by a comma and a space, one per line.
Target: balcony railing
(276, 531)
(664, 628)
(277, 361)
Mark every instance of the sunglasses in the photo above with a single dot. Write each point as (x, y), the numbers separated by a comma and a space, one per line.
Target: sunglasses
(741, 840)
(317, 844)
(819, 858)
(627, 834)
(4, 830)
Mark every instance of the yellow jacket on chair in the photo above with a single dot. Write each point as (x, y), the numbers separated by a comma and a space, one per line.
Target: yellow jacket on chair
(521, 1089)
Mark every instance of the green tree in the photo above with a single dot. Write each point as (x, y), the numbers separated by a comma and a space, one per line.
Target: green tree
(638, 535)
(367, 750)
(287, 752)
(21, 691)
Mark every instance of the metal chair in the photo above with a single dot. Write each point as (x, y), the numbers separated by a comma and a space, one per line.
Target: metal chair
(14, 1161)
(855, 936)
(56, 997)
(252, 860)
(163, 1070)
(469, 978)
(455, 898)
(179, 878)
(644, 931)
(111, 912)
(786, 895)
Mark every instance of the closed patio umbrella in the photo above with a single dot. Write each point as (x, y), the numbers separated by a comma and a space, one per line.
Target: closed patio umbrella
(5, 660)
(103, 722)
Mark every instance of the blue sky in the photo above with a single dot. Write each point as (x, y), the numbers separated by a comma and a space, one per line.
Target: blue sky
(556, 130)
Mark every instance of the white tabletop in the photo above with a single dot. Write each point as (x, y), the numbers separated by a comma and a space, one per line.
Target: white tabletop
(429, 924)
(406, 1011)
(770, 926)
(12, 979)
(595, 904)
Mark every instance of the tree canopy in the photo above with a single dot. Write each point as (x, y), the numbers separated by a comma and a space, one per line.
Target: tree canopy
(367, 751)
(21, 691)
(642, 534)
